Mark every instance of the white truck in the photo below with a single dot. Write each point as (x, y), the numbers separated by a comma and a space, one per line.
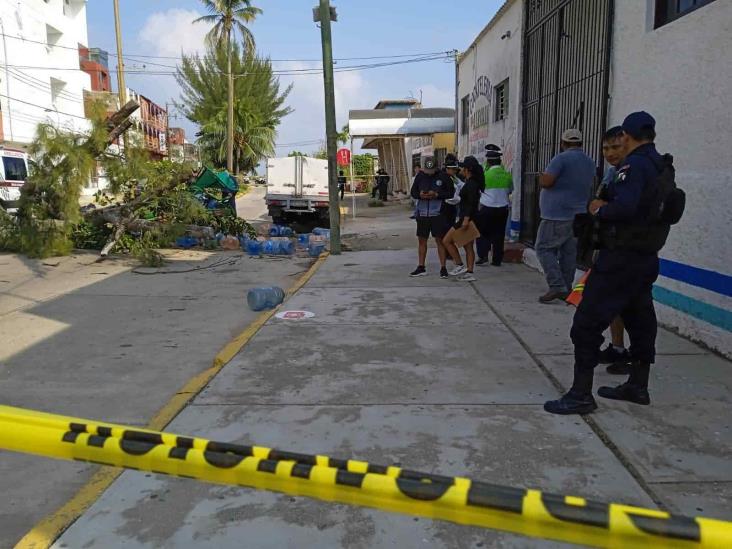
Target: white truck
(297, 190)
(13, 173)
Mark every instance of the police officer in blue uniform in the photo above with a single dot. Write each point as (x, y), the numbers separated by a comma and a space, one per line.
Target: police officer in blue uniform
(622, 277)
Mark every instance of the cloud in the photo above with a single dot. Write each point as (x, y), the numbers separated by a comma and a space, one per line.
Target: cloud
(432, 96)
(167, 33)
(307, 122)
(173, 32)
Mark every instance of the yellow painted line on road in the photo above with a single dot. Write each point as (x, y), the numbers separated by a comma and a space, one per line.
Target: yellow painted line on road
(48, 529)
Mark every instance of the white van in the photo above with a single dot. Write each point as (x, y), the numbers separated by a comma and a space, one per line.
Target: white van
(13, 173)
(297, 190)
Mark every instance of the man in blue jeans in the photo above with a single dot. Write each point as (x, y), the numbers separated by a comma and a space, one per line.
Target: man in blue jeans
(565, 191)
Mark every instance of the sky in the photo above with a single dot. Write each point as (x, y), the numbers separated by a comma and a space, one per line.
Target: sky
(286, 33)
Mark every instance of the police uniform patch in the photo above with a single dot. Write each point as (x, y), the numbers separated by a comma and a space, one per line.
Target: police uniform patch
(622, 172)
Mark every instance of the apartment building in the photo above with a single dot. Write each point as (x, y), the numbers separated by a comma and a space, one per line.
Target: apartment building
(40, 76)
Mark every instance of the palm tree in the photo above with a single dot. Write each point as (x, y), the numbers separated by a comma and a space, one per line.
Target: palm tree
(259, 109)
(229, 17)
(344, 135)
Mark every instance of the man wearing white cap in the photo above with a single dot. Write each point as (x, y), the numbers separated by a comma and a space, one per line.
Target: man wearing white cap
(565, 191)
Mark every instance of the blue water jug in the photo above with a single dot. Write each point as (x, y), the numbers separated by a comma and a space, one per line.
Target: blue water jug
(260, 299)
(287, 247)
(316, 249)
(320, 231)
(303, 240)
(285, 231)
(254, 247)
(271, 247)
(274, 230)
(186, 242)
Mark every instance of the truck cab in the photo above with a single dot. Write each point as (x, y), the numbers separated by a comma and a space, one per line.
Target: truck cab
(297, 190)
(13, 174)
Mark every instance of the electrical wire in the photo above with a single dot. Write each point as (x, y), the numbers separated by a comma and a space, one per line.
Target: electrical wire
(147, 56)
(218, 263)
(284, 72)
(41, 106)
(42, 86)
(310, 142)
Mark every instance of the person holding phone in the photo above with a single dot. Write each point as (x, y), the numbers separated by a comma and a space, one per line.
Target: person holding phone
(430, 189)
(464, 232)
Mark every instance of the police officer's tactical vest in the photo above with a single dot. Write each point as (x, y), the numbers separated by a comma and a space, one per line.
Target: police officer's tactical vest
(666, 207)
(667, 203)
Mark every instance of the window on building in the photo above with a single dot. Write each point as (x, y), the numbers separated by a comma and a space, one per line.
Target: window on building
(501, 101)
(53, 35)
(465, 115)
(670, 10)
(71, 8)
(57, 88)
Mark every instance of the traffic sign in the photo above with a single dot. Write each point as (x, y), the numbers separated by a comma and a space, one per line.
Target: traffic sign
(343, 157)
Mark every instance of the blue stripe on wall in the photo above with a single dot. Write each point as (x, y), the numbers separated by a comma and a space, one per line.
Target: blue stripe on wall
(709, 280)
(722, 318)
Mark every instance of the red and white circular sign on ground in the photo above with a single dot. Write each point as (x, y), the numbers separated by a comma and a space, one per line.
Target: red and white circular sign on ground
(294, 315)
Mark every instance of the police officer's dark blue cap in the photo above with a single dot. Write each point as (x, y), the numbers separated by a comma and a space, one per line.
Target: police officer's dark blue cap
(636, 121)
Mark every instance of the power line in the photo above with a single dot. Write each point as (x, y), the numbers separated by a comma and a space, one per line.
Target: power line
(147, 56)
(41, 106)
(283, 72)
(300, 143)
(28, 80)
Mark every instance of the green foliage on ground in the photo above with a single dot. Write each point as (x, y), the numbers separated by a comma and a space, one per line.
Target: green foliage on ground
(152, 196)
(49, 200)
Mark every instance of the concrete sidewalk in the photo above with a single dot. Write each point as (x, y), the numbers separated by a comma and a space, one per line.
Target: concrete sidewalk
(437, 376)
(96, 340)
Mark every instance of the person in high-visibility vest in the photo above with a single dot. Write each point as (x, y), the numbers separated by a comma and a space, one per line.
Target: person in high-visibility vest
(493, 208)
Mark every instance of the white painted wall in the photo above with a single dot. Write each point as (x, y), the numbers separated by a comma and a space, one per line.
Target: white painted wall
(488, 62)
(682, 74)
(28, 66)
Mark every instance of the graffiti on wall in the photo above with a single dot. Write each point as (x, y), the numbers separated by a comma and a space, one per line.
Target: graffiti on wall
(480, 112)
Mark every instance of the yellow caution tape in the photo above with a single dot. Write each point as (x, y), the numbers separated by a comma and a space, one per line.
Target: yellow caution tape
(456, 499)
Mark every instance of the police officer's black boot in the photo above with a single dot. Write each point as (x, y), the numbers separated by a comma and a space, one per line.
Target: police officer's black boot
(579, 399)
(634, 390)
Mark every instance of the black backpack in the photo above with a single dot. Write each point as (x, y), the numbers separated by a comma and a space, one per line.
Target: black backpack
(668, 201)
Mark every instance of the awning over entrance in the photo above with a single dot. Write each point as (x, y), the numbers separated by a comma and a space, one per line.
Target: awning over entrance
(400, 122)
(385, 129)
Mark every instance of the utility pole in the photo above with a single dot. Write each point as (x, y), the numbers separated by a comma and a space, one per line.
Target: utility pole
(324, 15)
(120, 65)
(229, 109)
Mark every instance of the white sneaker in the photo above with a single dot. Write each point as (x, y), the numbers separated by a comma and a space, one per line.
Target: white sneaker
(467, 277)
(458, 270)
